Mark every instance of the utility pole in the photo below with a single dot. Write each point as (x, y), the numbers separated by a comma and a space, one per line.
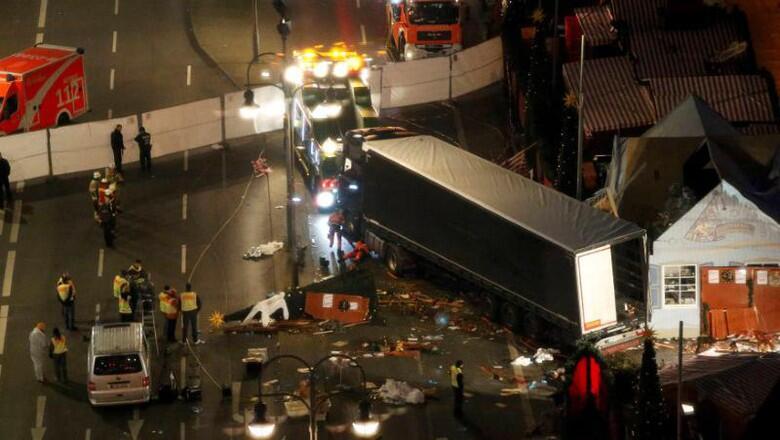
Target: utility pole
(580, 112)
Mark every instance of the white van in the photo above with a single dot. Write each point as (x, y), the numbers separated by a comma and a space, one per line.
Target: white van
(118, 365)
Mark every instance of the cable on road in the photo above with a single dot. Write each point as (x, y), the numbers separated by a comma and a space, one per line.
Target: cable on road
(200, 365)
(222, 228)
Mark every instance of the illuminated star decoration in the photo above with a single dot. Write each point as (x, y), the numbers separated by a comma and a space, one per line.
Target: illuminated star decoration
(570, 100)
(538, 15)
(216, 319)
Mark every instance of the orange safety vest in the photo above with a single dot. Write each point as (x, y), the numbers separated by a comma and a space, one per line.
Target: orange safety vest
(63, 290)
(189, 301)
(165, 303)
(120, 285)
(59, 346)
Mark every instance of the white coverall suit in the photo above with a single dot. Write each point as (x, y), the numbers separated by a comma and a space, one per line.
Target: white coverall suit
(39, 351)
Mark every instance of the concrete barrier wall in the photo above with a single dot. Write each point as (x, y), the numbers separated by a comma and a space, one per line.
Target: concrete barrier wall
(437, 79)
(270, 115)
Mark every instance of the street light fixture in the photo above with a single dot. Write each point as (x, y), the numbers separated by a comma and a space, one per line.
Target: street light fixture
(261, 427)
(364, 425)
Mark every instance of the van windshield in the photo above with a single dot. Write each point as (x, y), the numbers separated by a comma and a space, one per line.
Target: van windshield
(433, 13)
(119, 364)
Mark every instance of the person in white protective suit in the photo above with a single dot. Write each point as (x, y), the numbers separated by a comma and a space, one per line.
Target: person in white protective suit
(268, 307)
(39, 350)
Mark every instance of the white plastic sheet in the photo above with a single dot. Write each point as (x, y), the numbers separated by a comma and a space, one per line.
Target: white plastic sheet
(184, 127)
(477, 67)
(82, 147)
(27, 155)
(270, 115)
(415, 82)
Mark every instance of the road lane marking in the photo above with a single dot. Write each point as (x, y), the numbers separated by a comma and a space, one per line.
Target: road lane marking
(189, 74)
(8, 277)
(97, 313)
(184, 258)
(16, 221)
(101, 255)
(525, 402)
(235, 401)
(20, 186)
(111, 80)
(39, 38)
(363, 34)
(3, 325)
(186, 160)
(358, 3)
(40, 407)
(183, 368)
(116, 7)
(135, 424)
(2, 221)
(183, 207)
(88, 434)
(110, 113)
(42, 14)
(113, 43)
(182, 431)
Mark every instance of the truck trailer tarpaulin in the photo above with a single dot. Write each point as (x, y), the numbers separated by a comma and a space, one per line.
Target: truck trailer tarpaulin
(535, 247)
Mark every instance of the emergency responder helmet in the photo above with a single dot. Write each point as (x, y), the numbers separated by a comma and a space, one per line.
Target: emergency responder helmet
(96, 175)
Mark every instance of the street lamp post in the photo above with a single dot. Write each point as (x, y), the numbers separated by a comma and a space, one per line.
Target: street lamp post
(364, 426)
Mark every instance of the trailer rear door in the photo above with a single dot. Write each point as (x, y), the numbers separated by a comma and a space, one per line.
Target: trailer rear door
(596, 289)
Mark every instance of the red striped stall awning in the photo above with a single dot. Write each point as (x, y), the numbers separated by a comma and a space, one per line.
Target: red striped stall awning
(738, 98)
(662, 53)
(613, 99)
(641, 15)
(595, 23)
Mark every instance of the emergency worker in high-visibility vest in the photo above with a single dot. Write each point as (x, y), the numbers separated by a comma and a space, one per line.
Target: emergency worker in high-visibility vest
(125, 312)
(169, 306)
(121, 284)
(456, 381)
(190, 306)
(58, 350)
(66, 294)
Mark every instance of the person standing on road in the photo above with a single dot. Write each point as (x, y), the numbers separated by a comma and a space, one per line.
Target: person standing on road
(359, 253)
(5, 182)
(94, 186)
(144, 141)
(117, 146)
(456, 380)
(120, 284)
(335, 226)
(66, 293)
(169, 306)
(39, 350)
(107, 218)
(58, 350)
(190, 306)
(125, 312)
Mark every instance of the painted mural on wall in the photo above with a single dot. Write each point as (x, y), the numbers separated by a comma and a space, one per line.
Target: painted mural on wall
(729, 216)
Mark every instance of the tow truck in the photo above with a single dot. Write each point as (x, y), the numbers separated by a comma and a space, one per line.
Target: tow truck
(41, 87)
(423, 28)
(334, 99)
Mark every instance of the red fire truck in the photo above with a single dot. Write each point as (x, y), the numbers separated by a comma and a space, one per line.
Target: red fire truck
(41, 87)
(423, 28)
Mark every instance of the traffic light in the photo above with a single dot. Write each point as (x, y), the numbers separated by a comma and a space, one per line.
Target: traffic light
(281, 8)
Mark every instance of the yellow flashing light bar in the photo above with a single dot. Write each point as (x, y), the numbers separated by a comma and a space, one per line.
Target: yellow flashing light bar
(309, 58)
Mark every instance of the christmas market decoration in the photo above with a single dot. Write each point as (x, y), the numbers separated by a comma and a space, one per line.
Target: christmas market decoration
(650, 415)
(566, 172)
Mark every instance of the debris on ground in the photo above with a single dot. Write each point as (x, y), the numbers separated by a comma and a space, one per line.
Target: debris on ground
(522, 361)
(291, 325)
(545, 355)
(396, 392)
(256, 252)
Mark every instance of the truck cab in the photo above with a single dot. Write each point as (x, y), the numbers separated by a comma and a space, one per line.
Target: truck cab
(10, 116)
(424, 28)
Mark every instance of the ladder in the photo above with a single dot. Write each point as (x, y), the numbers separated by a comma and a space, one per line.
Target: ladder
(147, 318)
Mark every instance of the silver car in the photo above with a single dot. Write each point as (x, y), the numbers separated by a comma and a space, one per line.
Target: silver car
(118, 365)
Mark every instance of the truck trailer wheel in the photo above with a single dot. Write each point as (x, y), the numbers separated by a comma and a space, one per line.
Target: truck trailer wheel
(397, 260)
(510, 315)
(490, 306)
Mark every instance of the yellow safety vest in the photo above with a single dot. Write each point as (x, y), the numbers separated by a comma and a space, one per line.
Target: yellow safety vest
(120, 285)
(124, 306)
(63, 290)
(189, 301)
(165, 303)
(454, 372)
(59, 345)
